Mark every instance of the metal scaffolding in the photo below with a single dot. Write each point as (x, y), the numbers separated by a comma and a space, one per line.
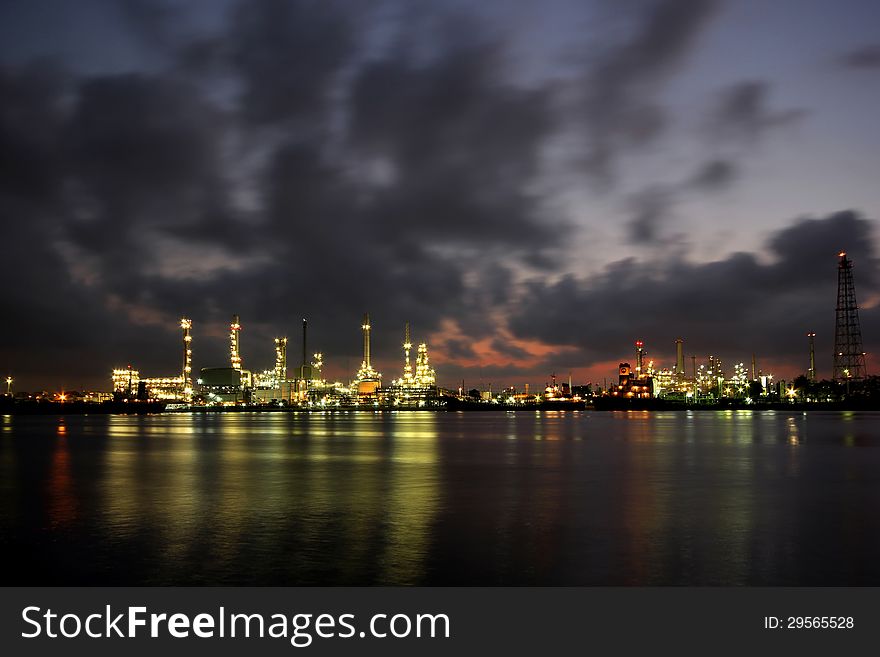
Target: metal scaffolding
(849, 359)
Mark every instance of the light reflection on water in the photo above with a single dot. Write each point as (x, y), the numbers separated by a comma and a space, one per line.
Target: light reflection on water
(734, 497)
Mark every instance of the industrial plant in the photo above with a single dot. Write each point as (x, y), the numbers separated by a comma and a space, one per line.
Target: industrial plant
(235, 385)
(704, 382)
(710, 383)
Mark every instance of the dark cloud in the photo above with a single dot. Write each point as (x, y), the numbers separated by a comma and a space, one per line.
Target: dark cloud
(863, 57)
(460, 146)
(32, 114)
(287, 55)
(620, 107)
(714, 175)
(153, 21)
(323, 159)
(742, 112)
(730, 308)
(147, 196)
(651, 208)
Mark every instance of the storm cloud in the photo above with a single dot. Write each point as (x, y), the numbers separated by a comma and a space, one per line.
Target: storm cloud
(731, 308)
(290, 159)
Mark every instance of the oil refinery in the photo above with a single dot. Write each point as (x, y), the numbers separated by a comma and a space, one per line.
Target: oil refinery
(235, 385)
(703, 382)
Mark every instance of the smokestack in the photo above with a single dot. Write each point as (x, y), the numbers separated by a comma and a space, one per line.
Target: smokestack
(366, 329)
(754, 368)
(679, 357)
(639, 346)
(305, 351)
(811, 375)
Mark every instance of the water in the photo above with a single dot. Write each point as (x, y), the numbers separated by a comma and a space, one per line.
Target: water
(554, 498)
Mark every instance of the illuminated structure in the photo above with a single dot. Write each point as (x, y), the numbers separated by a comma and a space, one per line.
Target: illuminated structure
(128, 384)
(811, 373)
(9, 385)
(849, 359)
(666, 381)
(419, 387)
(166, 388)
(305, 370)
(639, 356)
(407, 368)
(186, 372)
(221, 385)
(630, 386)
(554, 391)
(234, 344)
(368, 381)
(280, 361)
(125, 381)
(425, 376)
(739, 383)
(679, 358)
(270, 385)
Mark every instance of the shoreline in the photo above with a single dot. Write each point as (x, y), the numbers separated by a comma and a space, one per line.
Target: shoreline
(448, 406)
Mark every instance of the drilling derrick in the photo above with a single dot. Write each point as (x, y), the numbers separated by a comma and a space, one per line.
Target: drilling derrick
(186, 372)
(849, 359)
(234, 350)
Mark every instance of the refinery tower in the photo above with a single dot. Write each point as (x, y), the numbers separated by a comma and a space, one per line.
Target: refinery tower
(368, 380)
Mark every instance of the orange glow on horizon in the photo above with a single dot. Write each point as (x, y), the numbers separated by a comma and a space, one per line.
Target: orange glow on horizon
(486, 355)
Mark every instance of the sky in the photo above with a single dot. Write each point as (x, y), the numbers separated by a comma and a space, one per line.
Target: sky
(534, 186)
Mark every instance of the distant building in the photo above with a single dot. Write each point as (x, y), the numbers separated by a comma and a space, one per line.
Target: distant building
(125, 382)
(630, 385)
(221, 385)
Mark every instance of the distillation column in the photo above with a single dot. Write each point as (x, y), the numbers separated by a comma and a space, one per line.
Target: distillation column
(186, 372)
(234, 346)
(811, 374)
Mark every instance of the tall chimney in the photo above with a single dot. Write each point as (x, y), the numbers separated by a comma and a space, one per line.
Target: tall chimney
(366, 329)
(812, 372)
(679, 357)
(305, 360)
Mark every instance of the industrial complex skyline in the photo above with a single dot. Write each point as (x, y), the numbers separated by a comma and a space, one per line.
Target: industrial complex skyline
(233, 383)
(534, 186)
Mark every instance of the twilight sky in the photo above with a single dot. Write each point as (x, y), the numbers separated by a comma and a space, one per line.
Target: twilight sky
(533, 185)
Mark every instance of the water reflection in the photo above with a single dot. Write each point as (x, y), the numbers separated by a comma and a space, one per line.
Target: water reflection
(62, 500)
(462, 498)
(271, 495)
